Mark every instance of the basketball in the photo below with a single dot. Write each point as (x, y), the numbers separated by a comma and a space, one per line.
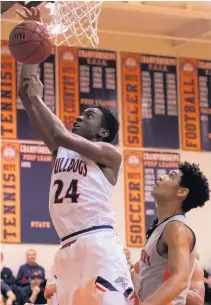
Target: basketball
(30, 43)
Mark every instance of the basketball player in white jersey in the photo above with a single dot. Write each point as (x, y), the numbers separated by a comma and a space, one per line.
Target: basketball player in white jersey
(167, 261)
(90, 267)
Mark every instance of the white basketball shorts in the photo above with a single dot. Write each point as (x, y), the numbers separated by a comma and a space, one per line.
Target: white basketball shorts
(90, 267)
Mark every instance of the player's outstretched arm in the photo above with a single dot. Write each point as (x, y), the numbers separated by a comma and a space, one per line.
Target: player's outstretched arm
(31, 109)
(102, 153)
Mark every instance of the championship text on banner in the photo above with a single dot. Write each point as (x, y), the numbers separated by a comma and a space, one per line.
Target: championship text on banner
(10, 193)
(189, 104)
(155, 164)
(68, 85)
(131, 99)
(159, 101)
(134, 198)
(204, 81)
(26, 172)
(150, 101)
(87, 78)
(36, 168)
(8, 94)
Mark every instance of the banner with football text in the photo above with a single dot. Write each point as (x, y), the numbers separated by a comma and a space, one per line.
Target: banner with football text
(25, 179)
(141, 171)
(195, 97)
(87, 78)
(150, 101)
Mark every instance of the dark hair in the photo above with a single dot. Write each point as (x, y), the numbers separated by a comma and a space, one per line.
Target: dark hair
(197, 184)
(110, 123)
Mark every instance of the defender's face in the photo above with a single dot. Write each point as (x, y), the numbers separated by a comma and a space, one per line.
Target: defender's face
(88, 125)
(167, 186)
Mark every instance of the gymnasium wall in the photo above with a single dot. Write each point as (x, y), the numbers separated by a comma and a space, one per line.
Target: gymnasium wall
(199, 219)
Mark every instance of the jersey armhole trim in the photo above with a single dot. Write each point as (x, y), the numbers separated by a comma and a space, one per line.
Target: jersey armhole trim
(194, 237)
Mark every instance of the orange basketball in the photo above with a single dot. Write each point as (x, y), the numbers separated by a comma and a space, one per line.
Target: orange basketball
(29, 42)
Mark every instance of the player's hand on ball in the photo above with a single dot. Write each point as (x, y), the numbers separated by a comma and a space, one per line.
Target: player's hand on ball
(32, 14)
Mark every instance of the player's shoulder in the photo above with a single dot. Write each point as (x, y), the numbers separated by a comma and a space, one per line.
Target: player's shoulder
(175, 227)
(111, 150)
(176, 231)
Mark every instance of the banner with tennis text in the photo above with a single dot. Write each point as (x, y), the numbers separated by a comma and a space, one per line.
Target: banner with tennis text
(141, 171)
(150, 101)
(15, 123)
(8, 94)
(25, 176)
(87, 78)
(10, 193)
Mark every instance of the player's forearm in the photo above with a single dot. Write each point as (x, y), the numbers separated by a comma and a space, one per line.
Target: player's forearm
(52, 122)
(168, 291)
(39, 125)
(193, 298)
(32, 89)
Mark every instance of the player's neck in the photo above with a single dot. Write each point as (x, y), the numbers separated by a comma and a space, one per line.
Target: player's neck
(165, 212)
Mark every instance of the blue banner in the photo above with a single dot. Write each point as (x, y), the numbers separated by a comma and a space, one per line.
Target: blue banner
(156, 164)
(35, 175)
(25, 129)
(204, 79)
(159, 101)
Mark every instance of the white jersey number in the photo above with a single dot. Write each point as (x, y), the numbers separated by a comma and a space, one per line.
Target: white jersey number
(71, 192)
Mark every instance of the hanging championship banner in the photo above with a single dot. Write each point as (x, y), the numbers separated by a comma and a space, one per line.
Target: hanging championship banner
(189, 104)
(25, 175)
(15, 122)
(87, 78)
(204, 81)
(8, 94)
(150, 101)
(141, 171)
(155, 164)
(131, 99)
(134, 199)
(10, 193)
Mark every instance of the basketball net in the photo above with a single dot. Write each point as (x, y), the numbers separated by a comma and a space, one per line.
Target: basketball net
(76, 22)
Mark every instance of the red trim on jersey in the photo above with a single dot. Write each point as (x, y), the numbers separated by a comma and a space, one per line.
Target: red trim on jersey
(100, 288)
(131, 297)
(166, 275)
(165, 278)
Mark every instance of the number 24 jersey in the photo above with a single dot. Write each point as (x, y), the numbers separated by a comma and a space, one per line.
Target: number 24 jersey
(80, 195)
